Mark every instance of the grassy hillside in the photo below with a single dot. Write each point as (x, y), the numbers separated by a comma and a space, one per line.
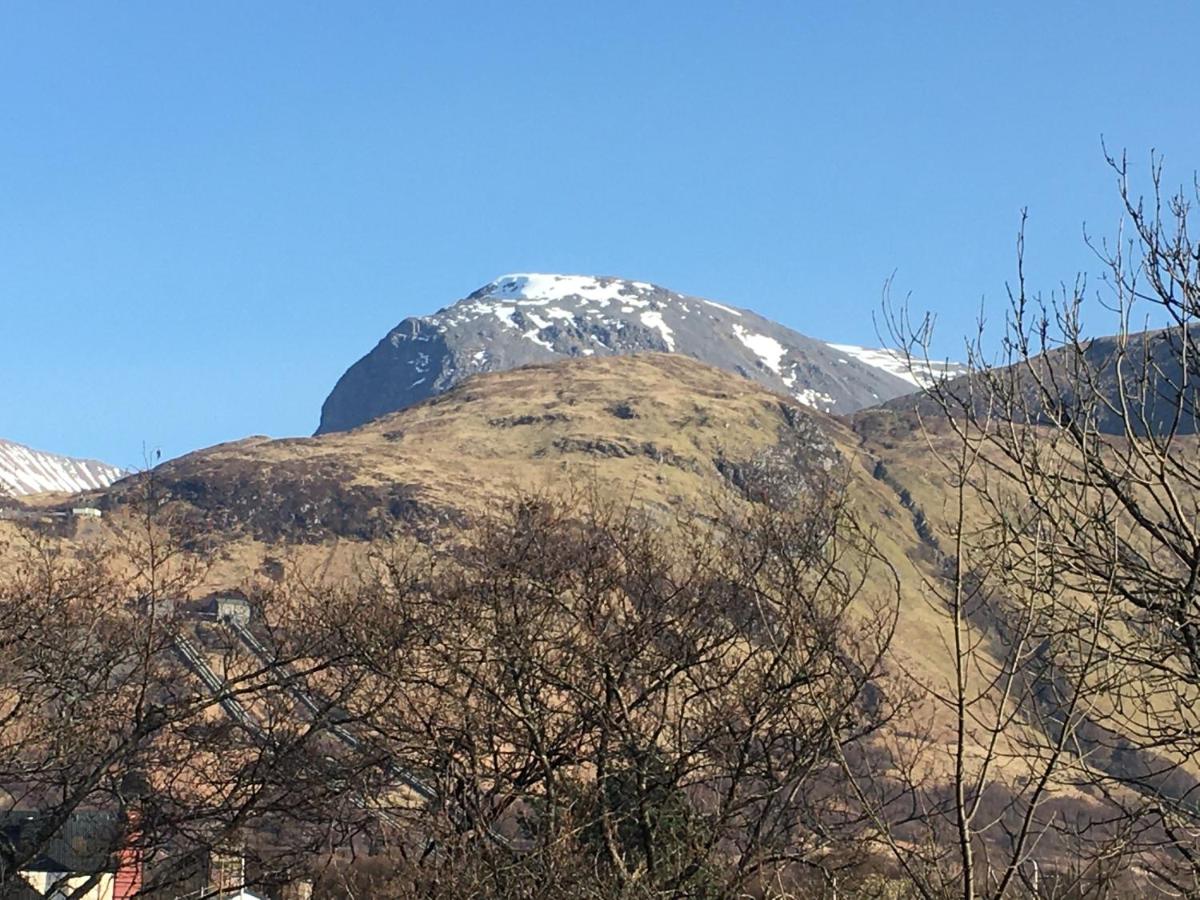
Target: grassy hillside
(660, 431)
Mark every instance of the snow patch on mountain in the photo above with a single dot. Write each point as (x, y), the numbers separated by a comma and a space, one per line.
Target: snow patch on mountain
(543, 288)
(722, 306)
(766, 348)
(815, 399)
(922, 373)
(653, 319)
(24, 470)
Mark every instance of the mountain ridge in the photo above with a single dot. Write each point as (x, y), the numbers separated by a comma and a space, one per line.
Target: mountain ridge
(1133, 382)
(24, 471)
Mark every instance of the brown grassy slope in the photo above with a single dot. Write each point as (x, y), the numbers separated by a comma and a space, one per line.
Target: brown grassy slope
(653, 427)
(658, 430)
(910, 457)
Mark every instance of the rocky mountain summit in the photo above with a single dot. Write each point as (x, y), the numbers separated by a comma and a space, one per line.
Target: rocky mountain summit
(518, 320)
(24, 470)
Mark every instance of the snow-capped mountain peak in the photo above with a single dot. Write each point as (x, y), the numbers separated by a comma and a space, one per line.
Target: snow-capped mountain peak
(532, 317)
(542, 287)
(24, 470)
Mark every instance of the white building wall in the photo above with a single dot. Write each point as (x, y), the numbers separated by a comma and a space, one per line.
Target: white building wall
(42, 882)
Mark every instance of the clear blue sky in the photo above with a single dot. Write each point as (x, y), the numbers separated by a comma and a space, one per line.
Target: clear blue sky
(209, 210)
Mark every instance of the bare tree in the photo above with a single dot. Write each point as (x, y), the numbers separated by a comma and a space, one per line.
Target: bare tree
(1082, 505)
(607, 706)
(102, 716)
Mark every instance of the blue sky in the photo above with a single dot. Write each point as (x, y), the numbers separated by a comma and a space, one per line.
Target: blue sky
(209, 210)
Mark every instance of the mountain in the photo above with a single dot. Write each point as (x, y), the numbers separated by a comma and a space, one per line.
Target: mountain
(517, 320)
(24, 470)
(1148, 381)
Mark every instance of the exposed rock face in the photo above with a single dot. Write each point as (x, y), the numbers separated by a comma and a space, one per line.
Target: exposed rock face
(24, 470)
(521, 319)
